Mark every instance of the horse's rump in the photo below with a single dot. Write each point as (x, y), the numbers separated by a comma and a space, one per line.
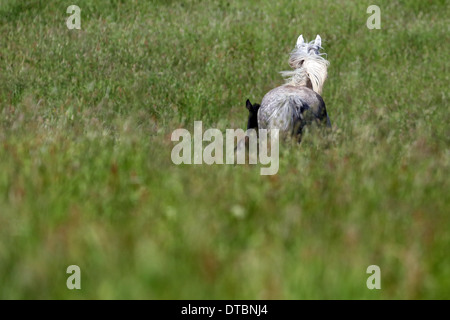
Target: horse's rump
(290, 108)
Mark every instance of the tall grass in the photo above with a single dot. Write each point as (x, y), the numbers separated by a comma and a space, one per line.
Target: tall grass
(86, 176)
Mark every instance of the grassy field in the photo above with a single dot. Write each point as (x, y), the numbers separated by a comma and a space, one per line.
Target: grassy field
(86, 176)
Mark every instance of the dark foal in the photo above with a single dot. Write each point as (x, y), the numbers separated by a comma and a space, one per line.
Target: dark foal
(252, 122)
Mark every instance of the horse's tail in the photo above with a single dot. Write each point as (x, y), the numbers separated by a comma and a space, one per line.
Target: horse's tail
(287, 115)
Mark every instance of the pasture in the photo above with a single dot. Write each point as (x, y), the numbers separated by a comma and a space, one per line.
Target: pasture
(86, 176)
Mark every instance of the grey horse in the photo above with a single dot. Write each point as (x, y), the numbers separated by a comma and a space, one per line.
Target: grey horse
(297, 103)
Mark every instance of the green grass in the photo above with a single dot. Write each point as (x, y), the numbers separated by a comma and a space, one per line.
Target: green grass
(86, 176)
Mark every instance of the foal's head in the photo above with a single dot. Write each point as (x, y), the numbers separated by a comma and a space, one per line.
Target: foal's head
(252, 115)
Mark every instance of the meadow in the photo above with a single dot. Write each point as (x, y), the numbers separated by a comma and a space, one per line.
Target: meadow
(86, 176)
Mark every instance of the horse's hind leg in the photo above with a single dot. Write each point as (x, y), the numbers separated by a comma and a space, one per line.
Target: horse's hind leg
(297, 131)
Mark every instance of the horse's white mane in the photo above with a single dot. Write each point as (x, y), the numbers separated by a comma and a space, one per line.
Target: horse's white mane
(308, 65)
